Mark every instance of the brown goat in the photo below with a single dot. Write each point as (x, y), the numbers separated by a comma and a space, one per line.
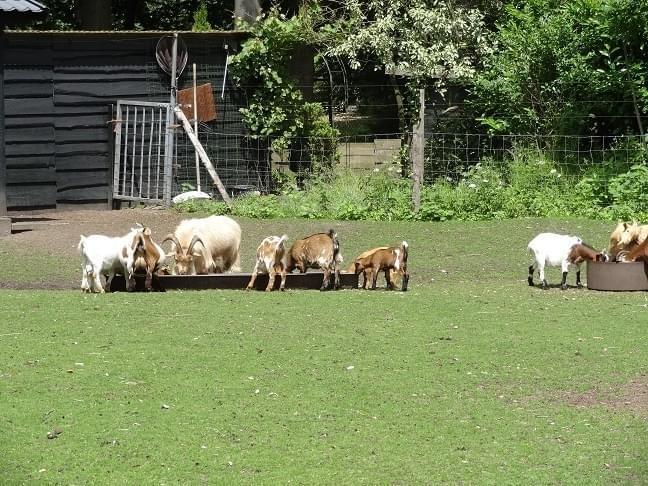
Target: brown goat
(148, 256)
(321, 250)
(366, 274)
(384, 259)
(637, 252)
(272, 258)
(578, 254)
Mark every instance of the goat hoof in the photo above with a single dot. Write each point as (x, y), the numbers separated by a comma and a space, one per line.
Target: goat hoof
(563, 287)
(530, 280)
(579, 285)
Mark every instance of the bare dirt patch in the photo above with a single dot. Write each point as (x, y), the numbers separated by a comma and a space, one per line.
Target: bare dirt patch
(631, 397)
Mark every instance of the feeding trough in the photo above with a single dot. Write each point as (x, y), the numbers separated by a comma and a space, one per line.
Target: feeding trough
(617, 276)
(309, 280)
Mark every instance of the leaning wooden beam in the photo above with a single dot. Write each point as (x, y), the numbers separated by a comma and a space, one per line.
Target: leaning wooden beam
(202, 154)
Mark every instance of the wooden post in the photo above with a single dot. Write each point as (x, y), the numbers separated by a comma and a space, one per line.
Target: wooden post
(3, 159)
(195, 114)
(417, 153)
(203, 155)
(170, 134)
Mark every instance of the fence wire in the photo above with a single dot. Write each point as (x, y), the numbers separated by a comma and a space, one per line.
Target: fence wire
(245, 163)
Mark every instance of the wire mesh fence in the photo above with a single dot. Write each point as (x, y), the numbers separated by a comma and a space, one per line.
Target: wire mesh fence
(449, 155)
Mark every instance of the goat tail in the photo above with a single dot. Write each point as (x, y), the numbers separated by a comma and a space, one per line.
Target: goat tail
(81, 244)
(405, 249)
(282, 241)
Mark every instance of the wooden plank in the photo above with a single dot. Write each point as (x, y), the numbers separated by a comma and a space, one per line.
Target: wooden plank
(26, 161)
(30, 134)
(18, 121)
(28, 74)
(31, 196)
(29, 106)
(68, 180)
(310, 280)
(82, 134)
(29, 149)
(28, 89)
(88, 194)
(100, 89)
(31, 175)
(78, 148)
(82, 162)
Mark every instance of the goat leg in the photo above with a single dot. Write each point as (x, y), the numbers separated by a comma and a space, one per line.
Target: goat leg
(374, 278)
(271, 279)
(390, 285)
(325, 280)
(405, 281)
(530, 279)
(563, 283)
(254, 276)
(282, 286)
(579, 284)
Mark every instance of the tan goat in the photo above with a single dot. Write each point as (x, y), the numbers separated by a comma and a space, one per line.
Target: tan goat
(321, 250)
(384, 259)
(272, 258)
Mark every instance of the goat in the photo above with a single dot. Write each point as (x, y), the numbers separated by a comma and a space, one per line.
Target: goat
(367, 272)
(636, 252)
(387, 259)
(148, 256)
(219, 238)
(105, 255)
(560, 251)
(321, 250)
(272, 258)
(624, 237)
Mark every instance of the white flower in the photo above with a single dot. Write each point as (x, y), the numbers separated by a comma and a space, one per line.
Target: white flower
(376, 169)
(484, 180)
(472, 186)
(553, 171)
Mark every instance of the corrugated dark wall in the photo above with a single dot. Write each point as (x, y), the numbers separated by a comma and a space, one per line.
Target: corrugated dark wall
(58, 92)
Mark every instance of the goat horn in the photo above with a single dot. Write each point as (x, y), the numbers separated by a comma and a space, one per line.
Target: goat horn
(194, 240)
(174, 239)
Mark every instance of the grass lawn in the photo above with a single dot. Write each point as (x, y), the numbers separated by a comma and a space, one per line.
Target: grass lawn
(470, 377)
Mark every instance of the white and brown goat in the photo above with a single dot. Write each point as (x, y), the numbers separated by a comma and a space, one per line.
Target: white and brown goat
(148, 256)
(624, 238)
(206, 245)
(107, 256)
(321, 250)
(271, 258)
(384, 259)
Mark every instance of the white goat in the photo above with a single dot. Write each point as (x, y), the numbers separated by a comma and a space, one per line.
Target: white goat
(560, 251)
(206, 245)
(272, 258)
(105, 255)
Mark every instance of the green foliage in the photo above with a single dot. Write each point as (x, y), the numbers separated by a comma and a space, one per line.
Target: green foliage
(558, 63)
(528, 185)
(201, 22)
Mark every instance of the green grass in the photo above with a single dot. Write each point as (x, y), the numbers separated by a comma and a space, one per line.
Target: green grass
(464, 379)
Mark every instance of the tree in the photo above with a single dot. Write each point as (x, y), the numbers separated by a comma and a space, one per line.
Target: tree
(566, 67)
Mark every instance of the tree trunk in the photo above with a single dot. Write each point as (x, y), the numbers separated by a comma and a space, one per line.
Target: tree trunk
(417, 153)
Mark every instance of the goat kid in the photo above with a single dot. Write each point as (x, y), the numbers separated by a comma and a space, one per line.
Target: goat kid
(387, 259)
(107, 256)
(321, 250)
(555, 250)
(206, 245)
(148, 256)
(272, 258)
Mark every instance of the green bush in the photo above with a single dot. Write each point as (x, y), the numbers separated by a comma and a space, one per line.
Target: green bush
(529, 185)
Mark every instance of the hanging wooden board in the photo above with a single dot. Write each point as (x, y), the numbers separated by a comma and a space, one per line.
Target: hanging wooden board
(204, 100)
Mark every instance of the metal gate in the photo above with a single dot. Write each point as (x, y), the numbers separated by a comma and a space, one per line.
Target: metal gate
(143, 149)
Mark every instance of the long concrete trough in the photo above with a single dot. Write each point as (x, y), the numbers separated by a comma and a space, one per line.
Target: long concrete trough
(161, 283)
(617, 277)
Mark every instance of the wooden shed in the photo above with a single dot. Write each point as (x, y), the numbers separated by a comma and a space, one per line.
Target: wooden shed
(58, 95)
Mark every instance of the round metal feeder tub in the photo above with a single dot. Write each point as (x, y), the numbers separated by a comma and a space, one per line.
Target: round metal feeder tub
(617, 276)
